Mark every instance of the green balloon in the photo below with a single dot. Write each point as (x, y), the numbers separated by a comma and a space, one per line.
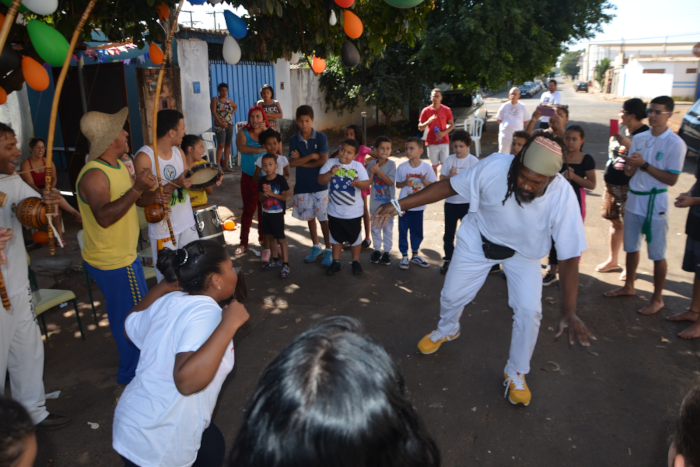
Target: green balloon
(50, 44)
(22, 8)
(404, 3)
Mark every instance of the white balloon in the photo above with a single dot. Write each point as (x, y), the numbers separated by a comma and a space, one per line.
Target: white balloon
(333, 20)
(295, 57)
(232, 52)
(214, 2)
(41, 7)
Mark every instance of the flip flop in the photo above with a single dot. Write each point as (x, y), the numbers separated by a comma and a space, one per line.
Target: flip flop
(612, 269)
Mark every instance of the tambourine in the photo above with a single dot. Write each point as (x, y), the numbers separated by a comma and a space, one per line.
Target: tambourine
(31, 212)
(204, 175)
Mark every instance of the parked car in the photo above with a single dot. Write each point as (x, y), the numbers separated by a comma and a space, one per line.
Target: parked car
(581, 86)
(690, 128)
(533, 87)
(464, 104)
(525, 91)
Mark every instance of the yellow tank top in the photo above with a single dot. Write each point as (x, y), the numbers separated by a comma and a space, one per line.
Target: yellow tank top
(198, 197)
(115, 246)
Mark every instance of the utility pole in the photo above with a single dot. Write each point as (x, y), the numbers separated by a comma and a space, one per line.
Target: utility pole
(191, 21)
(216, 25)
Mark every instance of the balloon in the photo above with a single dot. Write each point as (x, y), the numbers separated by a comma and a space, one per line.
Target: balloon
(353, 25)
(41, 7)
(404, 3)
(34, 74)
(344, 3)
(318, 64)
(214, 2)
(155, 53)
(3, 96)
(333, 20)
(231, 52)
(229, 225)
(9, 58)
(235, 25)
(349, 54)
(163, 11)
(295, 57)
(40, 237)
(22, 8)
(196, 2)
(50, 44)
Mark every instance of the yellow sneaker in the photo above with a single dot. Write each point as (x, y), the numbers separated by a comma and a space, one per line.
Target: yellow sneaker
(432, 342)
(517, 390)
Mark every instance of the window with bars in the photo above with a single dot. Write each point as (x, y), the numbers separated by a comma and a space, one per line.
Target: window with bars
(654, 70)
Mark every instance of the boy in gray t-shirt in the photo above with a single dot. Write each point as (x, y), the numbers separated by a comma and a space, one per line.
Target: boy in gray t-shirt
(382, 176)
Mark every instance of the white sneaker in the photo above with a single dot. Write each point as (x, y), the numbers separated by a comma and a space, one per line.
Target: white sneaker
(404, 263)
(420, 261)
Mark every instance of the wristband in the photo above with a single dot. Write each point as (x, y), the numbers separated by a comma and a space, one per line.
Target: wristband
(397, 206)
(645, 167)
(136, 192)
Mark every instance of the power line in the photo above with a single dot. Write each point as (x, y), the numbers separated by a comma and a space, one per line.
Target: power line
(626, 40)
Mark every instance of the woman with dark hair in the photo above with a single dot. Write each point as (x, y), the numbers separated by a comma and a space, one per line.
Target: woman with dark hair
(250, 147)
(333, 397)
(616, 182)
(272, 108)
(223, 109)
(33, 172)
(193, 147)
(164, 415)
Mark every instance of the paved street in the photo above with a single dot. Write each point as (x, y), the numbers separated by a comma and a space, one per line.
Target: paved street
(609, 404)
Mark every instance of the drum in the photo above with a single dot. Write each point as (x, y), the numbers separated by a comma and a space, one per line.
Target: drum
(204, 175)
(208, 224)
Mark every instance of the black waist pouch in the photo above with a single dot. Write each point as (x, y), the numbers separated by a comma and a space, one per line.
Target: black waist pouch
(494, 251)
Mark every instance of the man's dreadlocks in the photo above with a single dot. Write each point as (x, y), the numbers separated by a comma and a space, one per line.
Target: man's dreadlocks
(517, 165)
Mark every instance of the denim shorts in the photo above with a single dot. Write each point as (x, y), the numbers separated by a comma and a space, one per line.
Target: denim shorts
(633, 236)
(691, 259)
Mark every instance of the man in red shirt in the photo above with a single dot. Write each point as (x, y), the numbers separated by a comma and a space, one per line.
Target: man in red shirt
(438, 119)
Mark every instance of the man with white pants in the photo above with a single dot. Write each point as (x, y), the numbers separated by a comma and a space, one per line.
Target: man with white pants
(509, 196)
(21, 347)
(438, 120)
(512, 116)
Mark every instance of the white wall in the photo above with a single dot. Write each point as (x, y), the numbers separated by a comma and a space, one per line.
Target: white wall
(645, 86)
(685, 84)
(193, 58)
(16, 113)
(283, 88)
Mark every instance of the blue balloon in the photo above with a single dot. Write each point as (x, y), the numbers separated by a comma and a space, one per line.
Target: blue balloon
(236, 26)
(197, 2)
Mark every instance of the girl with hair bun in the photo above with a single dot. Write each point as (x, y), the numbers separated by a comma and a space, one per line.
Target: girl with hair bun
(164, 415)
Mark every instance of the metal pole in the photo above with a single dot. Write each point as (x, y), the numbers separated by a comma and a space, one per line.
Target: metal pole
(364, 124)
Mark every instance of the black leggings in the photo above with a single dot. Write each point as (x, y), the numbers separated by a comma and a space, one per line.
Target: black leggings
(211, 452)
(453, 213)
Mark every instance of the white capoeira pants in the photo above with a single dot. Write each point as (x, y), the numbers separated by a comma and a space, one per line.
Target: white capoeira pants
(22, 354)
(468, 271)
(185, 237)
(383, 237)
(504, 144)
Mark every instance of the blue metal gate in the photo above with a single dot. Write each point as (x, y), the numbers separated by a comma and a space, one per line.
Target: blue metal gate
(244, 81)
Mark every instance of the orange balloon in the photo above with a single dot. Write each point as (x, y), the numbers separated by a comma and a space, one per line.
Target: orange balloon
(353, 25)
(34, 74)
(163, 11)
(40, 237)
(344, 3)
(318, 64)
(229, 225)
(3, 96)
(155, 53)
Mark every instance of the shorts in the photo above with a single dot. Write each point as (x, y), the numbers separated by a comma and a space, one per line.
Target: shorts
(691, 258)
(633, 236)
(345, 230)
(309, 206)
(225, 136)
(437, 153)
(614, 200)
(273, 224)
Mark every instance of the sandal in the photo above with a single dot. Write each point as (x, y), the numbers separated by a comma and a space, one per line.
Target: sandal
(240, 250)
(611, 269)
(285, 272)
(271, 265)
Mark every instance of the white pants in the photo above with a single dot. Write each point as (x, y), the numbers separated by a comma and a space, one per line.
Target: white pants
(22, 354)
(437, 153)
(504, 144)
(382, 237)
(468, 271)
(183, 238)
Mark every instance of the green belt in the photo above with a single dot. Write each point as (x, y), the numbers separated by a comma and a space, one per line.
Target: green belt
(646, 227)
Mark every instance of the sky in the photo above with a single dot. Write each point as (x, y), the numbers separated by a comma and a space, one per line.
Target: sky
(650, 21)
(202, 17)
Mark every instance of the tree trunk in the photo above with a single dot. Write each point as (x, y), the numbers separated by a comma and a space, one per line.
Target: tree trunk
(387, 116)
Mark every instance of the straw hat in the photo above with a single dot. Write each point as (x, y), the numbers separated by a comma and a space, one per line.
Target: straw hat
(102, 129)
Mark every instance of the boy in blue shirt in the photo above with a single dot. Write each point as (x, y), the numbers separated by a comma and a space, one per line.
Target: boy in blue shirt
(308, 152)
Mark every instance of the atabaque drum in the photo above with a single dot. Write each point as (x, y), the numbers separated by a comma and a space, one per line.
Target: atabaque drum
(208, 223)
(204, 175)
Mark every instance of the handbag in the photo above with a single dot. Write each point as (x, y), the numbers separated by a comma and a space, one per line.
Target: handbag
(494, 251)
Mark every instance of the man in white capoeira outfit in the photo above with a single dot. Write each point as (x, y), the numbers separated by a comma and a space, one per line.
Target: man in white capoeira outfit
(518, 204)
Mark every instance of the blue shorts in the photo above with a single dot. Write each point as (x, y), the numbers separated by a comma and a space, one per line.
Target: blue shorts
(633, 236)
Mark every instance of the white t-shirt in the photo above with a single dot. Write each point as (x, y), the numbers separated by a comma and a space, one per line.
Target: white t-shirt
(460, 165)
(14, 272)
(155, 425)
(528, 229)
(181, 216)
(345, 201)
(549, 98)
(665, 152)
(282, 162)
(513, 118)
(407, 173)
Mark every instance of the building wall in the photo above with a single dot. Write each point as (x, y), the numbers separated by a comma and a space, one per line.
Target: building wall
(193, 59)
(283, 88)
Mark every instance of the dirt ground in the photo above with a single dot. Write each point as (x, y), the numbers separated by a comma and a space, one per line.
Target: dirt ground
(609, 404)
